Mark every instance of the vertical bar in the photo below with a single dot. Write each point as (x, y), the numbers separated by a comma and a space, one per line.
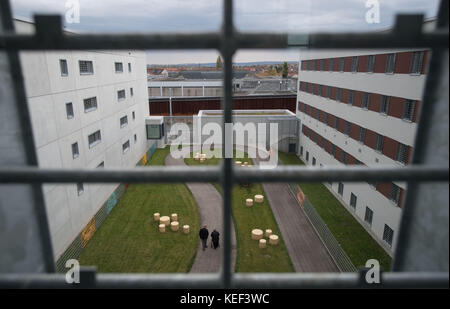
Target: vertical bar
(227, 141)
(26, 222)
(425, 215)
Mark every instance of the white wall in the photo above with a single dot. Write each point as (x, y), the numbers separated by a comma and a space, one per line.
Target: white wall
(48, 92)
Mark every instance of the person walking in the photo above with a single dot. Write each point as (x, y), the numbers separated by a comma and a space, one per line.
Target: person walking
(215, 239)
(203, 233)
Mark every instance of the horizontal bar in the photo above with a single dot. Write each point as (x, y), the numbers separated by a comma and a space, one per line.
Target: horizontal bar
(212, 174)
(252, 280)
(213, 41)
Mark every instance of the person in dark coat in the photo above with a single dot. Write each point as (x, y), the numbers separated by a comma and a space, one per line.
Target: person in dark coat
(215, 239)
(204, 233)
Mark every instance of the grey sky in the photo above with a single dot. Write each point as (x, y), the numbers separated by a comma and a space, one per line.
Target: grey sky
(206, 15)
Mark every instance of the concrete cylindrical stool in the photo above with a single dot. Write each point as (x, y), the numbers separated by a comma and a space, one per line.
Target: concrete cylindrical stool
(156, 216)
(164, 220)
(249, 202)
(259, 198)
(174, 217)
(262, 243)
(174, 226)
(162, 228)
(268, 232)
(197, 157)
(238, 163)
(245, 163)
(203, 156)
(273, 240)
(186, 229)
(257, 234)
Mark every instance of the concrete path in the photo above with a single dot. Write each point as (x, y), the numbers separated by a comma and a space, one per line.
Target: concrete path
(209, 203)
(306, 249)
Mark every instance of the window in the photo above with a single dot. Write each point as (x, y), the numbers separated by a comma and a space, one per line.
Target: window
(155, 131)
(86, 67)
(314, 161)
(307, 156)
(362, 134)
(341, 189)
(328, 92)
(75, 152)
(354, 64)
(126, 146)
(317, 114)
(333, 149)
(336, 122)
(341, 64)
(322, 64)
(408, 109)
(121, 95)
(394, 194)
(63, 67)
(353, 199)
(69, 110)
(370, 63)
(388, 235)
(80, 188)
(319, 90)
(118, 67)
(326, 118)
(390, 63)
(368, 216)
(366, 100)
(323, 143)
(133, 115)
(384, 107)
(330, 68)
(94, 138)
(90, 104)
(338, 94)
(310, 65)
(123, 121)
(101, 165)
(131, 91)
(347, 128)
(135, 138)
(301, 150)
(350, 97)
(402, 153)
(416, 63)
(344, 157)
(129, 67)
(379, 141)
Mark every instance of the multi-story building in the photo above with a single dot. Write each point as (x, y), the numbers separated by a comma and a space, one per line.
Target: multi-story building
(361, 107)
(87, 110)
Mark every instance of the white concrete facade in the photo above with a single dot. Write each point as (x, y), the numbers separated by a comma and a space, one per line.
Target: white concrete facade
(408, 86)
(48, 91)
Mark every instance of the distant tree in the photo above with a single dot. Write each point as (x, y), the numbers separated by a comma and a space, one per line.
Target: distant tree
(219, 63)
(272, 71)
(285, 70)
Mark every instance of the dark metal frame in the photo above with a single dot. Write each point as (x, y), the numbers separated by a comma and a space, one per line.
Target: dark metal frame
(407, 33)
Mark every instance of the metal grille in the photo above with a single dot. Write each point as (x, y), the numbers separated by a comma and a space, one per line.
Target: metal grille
(406, 34)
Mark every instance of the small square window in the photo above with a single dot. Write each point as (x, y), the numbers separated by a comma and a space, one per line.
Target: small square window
(80, 188)
(350, 97)
(75, 151)
(342, 64)
(366, 100)
(314, 161)
(362, 134)
(416, 63)
(341, 189)
(133, 115)
(86, 67)
(90, 104)
(307, 156)
(135, 138)
(118, 66)
(69, 110)
(394, 194)
(126, 146)
(379, 142)
(123, 121)
(131, 91)
(370, 63)
(338, 94)
(354, 64)
(129, 67)
(331, 64)
(101, 164)
(388, 235)
(94, 138)
(390, 63)
(353, 200)
(301, 150)
(63, 67)
(368, 216)
(347, 128)
(408, 110)
(121, 95)
(384, 107)
(402, 153)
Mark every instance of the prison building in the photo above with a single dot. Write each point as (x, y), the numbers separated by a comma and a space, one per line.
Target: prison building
(360, 107)
(87, 110)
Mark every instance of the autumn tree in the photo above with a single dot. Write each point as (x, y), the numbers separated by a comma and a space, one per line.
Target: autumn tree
(219, 63)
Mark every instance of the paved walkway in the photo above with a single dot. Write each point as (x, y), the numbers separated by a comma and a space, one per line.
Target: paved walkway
(209, 203)
(306, 249)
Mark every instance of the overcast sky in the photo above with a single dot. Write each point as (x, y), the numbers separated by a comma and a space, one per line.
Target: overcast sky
(206, 15)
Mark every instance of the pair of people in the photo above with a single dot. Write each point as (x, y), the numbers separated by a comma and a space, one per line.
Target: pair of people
(204, 233)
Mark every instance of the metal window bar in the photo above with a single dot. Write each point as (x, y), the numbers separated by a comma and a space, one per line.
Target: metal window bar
(406, 33)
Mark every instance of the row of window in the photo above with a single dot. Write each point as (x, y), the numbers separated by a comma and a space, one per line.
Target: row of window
(404, 62)
(90, 104)
(399, 107)
(383, 144)
(389, 190)
(86, 67)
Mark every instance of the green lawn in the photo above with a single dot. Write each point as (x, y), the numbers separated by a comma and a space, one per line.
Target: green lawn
(354, 239)
(129, 239)
(250, 258)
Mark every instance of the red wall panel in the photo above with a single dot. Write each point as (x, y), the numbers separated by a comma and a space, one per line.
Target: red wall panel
(390, 147)
(403, 62)
(362, 63)
(348, 64)
(357, 98)
(370, 138)
(380, 63)
(375, 102)
(396, 107)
